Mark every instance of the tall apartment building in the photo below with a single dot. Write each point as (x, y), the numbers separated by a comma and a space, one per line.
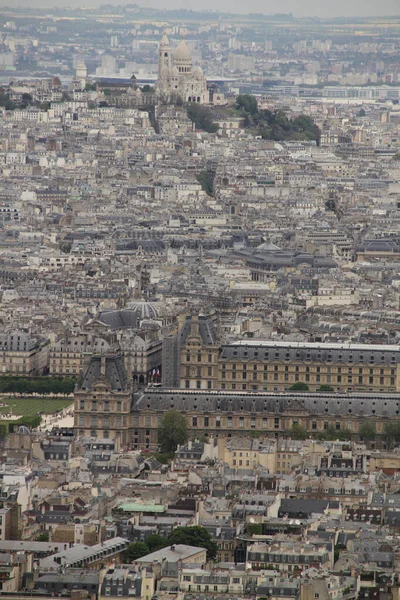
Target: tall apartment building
(277, 366)
(103, 401)
(22, 354)
(266, 365)
(269, 414)
(71, 354)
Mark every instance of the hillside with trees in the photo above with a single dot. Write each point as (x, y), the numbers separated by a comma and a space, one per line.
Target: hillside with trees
(276, 125)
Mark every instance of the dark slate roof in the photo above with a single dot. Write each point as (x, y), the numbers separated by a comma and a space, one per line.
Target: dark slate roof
(119, 319)
(301, 505)
(115, 372)
(378, 246)
(147, 246)
(267, 351)
(87, 578)
(274, 260)
(128, 318)
(156, 399)
(207, 330)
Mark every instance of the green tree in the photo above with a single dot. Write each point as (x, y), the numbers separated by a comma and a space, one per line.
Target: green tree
(325, 388)
(156, 542)
(344, 434)
(367, 431)
(202, 118)
(299, 386)
(134, 551)
(206, 182)
(43, 537)
(337, 550)
(254, 528)
(173, 431)
(147, 89)
(329, 434)
(391, 434)
(247, 103)
(194, 536)
(332, 434)
(298, 432)
(40, 385)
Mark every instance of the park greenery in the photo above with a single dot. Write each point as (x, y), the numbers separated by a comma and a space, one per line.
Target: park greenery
(275, 125)
(391, 434)
(367, 432)
(331, 434)
(325, 388)
(299, 386)
(39, 385)
(202, 118)
(33, 405)
(192, 536)
(298, 432)
(206, 182)
(173, 431)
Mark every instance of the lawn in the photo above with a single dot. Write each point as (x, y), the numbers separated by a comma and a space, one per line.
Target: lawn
(30, 407)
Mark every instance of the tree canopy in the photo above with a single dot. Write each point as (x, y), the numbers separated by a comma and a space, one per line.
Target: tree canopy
(191, 536)
(247, 104)
(391, 434)
(173, 431)
(299, 386)
(206, 182)
(194, 536)
(38, 385)
(331, 434)
(276, 125)
(202, 118)
(298, 432)
(367, 431)
(325, 388)
(135, 550)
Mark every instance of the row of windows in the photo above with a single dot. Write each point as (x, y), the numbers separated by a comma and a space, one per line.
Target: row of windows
(302, 369)
(97, 405)
(307, 377)
(199, 371)
(300, 356)
(199, 357)
(198, 384)
(255, 422)
(105, 422)
(265, 388)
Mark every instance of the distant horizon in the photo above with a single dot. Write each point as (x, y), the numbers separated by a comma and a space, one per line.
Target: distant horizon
(306, 8)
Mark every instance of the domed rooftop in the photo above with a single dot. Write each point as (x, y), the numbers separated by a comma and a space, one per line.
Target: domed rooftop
(182, 53)
(198, 72)
(130, 317)
(144, 310)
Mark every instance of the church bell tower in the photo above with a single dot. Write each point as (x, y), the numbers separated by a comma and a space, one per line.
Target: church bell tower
(164, 58)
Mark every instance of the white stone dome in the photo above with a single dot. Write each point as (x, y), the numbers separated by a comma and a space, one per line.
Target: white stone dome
(198, 72)
(182, 53)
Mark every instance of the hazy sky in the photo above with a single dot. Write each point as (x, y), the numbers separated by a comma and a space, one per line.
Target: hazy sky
(321, 8)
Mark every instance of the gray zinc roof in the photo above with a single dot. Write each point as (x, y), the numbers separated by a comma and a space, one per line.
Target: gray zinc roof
(387, 405)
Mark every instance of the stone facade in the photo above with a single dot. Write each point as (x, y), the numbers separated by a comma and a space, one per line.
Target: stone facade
(177, 78)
